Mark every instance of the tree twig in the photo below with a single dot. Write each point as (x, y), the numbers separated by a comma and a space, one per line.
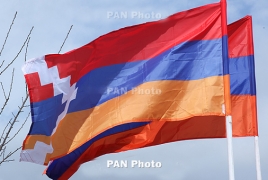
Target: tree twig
(2, 136)
(10, 27)
(5, 138)
(10, 139)
(9, 92)
(2, 63)
(65, 38)
(5, 158)
(26, 51)
(18, 52)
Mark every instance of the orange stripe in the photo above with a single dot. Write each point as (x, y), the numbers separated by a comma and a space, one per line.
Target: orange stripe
(179, 100)
(244, 115)
(244, 124)
(227, 94)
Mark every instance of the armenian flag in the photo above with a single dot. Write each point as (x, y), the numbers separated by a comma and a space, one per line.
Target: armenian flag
(242, 77)
(244, 112)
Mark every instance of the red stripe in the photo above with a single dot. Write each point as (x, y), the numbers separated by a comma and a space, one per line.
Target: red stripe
(244, 124)
(224, 17)
(155, 133)
(240, 38)
(140, 42)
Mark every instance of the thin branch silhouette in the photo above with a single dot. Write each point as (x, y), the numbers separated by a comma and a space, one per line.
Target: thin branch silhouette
(10, 27)
(18, 52)
(65, 38)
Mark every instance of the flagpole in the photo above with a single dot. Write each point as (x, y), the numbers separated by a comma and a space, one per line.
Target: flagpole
(258, 159)
(230, 147)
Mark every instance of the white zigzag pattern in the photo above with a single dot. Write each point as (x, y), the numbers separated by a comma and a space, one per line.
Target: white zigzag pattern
(60, 86)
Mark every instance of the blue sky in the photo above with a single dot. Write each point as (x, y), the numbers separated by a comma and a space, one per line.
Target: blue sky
(184, 160)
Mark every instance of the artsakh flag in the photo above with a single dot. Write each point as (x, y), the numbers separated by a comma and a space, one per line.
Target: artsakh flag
(105, 96)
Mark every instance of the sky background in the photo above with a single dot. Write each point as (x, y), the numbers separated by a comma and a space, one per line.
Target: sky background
(184, 160)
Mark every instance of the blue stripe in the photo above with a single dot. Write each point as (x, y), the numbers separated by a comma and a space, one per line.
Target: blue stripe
(187, 61)
(45, 114)
(225, 55)
(242, 76)
(59, 166)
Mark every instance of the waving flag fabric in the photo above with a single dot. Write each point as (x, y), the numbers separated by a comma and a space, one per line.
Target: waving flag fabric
(158, 132)
(154, 75)
(242, 76)
(148, 134)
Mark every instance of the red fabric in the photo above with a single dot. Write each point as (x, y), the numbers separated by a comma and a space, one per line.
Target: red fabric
(36, 91)
(137, 42)
(155, 133)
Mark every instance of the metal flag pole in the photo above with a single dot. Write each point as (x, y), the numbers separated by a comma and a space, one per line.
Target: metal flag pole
(258, 159)
(227, 93)
(230, 147)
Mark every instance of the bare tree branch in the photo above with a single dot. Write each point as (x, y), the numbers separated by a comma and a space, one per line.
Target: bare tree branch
(9, 92)
(10, 132)
(25, 58)
(2, 63)
(18, 130)
(18, 52)
(26, 51)
(3, 89)
(11, 125)
(8, 33)
(2, 136)
(5, 158)
(65, 38)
